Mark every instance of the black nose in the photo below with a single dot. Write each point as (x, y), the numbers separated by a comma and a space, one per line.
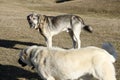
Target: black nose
(22, 63)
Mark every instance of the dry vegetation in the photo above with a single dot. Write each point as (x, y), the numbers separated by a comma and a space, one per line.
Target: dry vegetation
(15, 34)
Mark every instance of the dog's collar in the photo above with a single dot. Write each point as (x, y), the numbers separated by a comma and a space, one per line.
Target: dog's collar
(39, 26)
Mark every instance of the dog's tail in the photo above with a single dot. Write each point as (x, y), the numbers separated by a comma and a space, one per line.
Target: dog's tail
(84, 26)
(88, 28)
(110, 49)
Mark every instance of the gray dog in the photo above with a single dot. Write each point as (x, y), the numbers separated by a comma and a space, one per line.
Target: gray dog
(49, 26)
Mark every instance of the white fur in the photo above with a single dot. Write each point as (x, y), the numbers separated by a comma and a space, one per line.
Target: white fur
(60, 64)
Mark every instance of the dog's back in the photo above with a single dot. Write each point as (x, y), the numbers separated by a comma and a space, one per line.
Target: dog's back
(75, 63)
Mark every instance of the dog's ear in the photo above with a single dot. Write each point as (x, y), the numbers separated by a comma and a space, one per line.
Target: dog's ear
(43, 55)
(24, 54)
(38, 17)
(28, 17)
(39, 59)
(31, 16)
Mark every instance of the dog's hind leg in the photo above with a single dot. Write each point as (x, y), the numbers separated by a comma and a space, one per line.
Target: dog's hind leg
(76, 35)
(106, 71)
(73, 38)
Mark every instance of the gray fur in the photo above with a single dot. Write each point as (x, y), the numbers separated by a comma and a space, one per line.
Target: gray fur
(49, 26)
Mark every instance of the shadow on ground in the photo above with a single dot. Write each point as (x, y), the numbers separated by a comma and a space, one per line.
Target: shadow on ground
(61, 1)
(9, 72)
(11, 44)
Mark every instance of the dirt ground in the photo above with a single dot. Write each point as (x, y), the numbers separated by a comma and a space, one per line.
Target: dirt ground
(15, 33)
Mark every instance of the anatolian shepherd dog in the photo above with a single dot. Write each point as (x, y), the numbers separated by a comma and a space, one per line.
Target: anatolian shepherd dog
(60, 64)
(49, 26)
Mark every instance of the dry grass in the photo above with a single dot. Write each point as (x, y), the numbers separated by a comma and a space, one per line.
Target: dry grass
(15, 34)
(106, 8)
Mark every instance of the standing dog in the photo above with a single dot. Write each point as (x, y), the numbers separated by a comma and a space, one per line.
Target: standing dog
(49, 26)
(60, 64)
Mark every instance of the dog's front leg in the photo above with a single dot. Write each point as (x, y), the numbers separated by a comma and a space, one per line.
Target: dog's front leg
(45, 75)
(49, 41)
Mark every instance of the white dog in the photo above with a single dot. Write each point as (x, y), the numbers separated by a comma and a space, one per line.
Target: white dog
(60, 64)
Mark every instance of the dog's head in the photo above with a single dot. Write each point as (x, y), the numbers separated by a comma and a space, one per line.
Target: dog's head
(36, 20)
(33, 20)
(25, 57)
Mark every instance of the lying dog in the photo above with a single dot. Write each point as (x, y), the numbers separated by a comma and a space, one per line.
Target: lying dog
(49, 26)
(61, 64)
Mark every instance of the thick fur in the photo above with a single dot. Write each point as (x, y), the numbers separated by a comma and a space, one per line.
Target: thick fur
(61, 64)
(49, 26)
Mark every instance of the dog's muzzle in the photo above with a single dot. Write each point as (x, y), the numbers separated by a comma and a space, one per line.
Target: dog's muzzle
(22, 63)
